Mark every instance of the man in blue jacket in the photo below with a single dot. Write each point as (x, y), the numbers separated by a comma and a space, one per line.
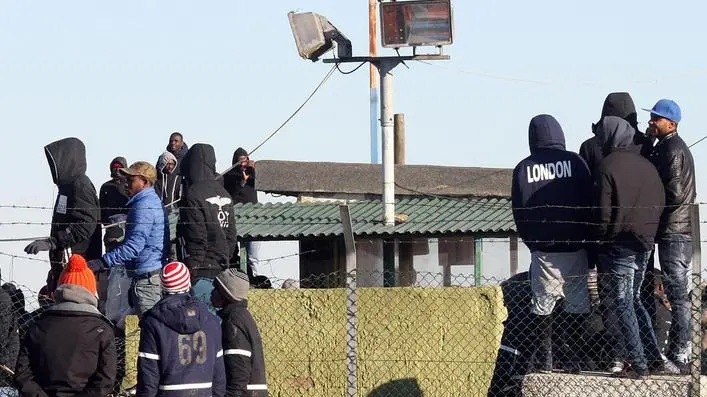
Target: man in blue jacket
(180, 353)
(145, 245)
(551, 197)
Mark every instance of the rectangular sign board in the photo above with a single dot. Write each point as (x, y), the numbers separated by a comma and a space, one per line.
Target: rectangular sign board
(416, 23)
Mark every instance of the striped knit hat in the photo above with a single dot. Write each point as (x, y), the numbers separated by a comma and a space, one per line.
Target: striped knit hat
(175, 278)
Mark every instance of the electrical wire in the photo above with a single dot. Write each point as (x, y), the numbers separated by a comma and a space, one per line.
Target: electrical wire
(321, 83)
(349, 71)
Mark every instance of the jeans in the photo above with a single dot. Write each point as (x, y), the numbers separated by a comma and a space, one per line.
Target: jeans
(8, 392)
(202, 290)
(145, 293)
(622, 279)
(675, 256)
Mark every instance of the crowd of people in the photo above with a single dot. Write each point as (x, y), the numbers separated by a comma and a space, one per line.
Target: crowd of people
(605, 208)
(171, 226)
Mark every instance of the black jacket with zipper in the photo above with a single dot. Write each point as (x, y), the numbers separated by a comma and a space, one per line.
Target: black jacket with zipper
(242, 352)
(676, 167)
(628, 191)
(75, 222)
(207, 227)
(69, 351)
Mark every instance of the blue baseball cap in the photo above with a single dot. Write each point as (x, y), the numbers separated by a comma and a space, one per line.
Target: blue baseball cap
(667, 109)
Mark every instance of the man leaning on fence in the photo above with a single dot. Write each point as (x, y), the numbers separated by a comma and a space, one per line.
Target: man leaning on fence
(70, 349)
(629, 199)
(144, 246)
(180, 350)
(551, 198)
(676, 167)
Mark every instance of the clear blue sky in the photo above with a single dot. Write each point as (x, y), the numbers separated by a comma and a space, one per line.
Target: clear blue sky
(122, 75)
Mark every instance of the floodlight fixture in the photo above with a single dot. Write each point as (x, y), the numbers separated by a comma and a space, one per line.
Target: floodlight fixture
(315, 36)
(416, 23)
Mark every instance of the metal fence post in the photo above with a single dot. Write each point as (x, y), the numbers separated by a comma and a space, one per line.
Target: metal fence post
(696, 297)
(351, 299)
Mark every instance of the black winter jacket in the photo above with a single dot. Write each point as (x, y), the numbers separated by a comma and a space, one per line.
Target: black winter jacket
(69, 351)
(75, 222)
(207, 227)
(9, 338)
(551, 192)
(676, 168)
(243, 352)
(628, 191)
(113, 195)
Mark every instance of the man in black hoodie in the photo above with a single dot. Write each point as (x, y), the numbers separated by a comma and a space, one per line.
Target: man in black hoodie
(113, 195)
(178, 148)
(240, 183)
(75, 222)
(619, 104)
(630, 199)
(551, 199)
(207, 227)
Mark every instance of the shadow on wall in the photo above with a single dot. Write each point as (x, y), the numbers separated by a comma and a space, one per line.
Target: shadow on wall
(407, 387)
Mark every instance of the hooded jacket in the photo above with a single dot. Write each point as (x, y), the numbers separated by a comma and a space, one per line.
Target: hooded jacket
(113, 195)
(207, 228)
(145, 245)
(168, 185)
(9, 337)
(75, 222)
(619, 104)
(676, 167)
(243, 352)
(180, 350)
(551, 191)
(629, 193)
(241, 189)
(69, 350)
(180, 156)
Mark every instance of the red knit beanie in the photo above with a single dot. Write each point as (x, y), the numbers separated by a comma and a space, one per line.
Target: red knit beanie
(76, 272)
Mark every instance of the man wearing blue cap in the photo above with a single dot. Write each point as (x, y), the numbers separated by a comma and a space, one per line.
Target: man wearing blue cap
(676, 168)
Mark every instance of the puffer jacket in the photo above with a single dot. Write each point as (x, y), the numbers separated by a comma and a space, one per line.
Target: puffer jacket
(676, 167)
(145, 245)
(180, 352)
(69, 351)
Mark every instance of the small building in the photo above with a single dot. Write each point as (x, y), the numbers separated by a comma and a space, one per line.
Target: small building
(442, 216)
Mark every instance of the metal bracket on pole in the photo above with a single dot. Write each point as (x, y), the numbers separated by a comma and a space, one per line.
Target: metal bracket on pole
(385, 66)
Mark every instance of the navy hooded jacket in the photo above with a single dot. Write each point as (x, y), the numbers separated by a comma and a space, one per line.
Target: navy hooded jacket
(551, 191)
(180, 350)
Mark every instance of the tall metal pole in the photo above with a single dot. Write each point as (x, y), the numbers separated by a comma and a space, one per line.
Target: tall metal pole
(385, 66)
(373, 79)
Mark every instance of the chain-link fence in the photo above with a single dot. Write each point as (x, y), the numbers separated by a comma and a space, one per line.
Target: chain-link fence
(587, 336)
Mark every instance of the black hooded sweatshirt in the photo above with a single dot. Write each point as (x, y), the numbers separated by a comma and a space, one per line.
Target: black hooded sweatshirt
(619, 104)
(207, 227)
(628, 192)
(551, 191)
(242, 190)
(180, 156)
(113, 195)
(75, 222)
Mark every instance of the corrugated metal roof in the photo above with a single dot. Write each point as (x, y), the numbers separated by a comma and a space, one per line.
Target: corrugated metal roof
(426, 216)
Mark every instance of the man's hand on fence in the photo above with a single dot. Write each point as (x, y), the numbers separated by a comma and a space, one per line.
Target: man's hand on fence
(37, 246)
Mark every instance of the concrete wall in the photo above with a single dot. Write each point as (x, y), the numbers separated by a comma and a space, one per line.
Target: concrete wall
(438, 341)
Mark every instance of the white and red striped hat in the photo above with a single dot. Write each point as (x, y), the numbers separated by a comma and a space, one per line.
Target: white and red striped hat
(175, 278)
